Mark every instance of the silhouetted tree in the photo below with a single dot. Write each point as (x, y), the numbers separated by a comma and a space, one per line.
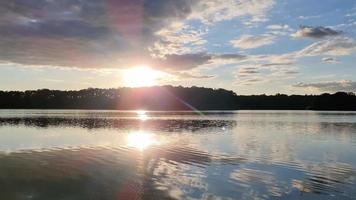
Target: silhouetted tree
(170, 98)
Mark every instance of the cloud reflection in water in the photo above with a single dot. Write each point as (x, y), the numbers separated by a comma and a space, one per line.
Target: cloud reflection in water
(248, 155)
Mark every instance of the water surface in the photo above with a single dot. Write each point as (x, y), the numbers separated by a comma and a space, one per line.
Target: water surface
(68, 154)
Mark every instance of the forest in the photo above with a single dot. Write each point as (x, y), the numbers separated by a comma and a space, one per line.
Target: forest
(171, 98)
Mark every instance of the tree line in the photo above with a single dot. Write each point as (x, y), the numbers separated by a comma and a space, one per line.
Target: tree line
(171, 98)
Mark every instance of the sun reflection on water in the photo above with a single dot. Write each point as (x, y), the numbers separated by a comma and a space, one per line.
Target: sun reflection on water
(141, 114)
(141, 140)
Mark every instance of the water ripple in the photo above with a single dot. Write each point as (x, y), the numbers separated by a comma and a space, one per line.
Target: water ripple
(167, 125)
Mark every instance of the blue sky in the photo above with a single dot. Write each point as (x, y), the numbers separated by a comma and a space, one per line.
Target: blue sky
(249, 46)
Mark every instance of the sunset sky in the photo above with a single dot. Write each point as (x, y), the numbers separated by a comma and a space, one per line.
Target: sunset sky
(249, 46)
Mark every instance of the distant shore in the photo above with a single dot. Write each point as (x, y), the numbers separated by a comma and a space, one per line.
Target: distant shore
(170, 98)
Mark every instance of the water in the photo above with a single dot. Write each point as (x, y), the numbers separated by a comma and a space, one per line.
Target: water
(68, 155)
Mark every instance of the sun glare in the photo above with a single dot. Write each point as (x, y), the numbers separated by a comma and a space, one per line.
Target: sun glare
(141, 76)
(141, 114)
(141, 140)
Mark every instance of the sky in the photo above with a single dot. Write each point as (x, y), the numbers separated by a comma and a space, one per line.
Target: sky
(248, 46)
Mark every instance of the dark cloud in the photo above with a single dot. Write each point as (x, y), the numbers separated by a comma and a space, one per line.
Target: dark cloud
(277, 64)
(182, 62)
(185, 75)
(230, 56)
(116, 33)
(316, 32)
(54, 29)
(251, 81)
(334, 86)
(91, 33)
(329, 60)
(290, 72)
(249, 70)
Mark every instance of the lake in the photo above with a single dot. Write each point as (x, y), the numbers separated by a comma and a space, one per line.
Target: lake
(69, 154)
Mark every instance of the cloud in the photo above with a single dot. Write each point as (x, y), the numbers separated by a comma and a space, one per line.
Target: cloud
(278, 27)
(178, 62)
(229, 57)
(250, 81)
(333, 86)
(178, 38)
(116, 33)
(302, 17)
(350, 14)
(186, 75)
(251, 74)
(226, 58)
(257, 69)
(247, 70)
(329, 60)
(291, 72)
(272, 68)
(212, 11)
(89, 34)
(340, 46)
(332, 47)
(315, 32)
(250, 41)
(184, 62)
(277, 64)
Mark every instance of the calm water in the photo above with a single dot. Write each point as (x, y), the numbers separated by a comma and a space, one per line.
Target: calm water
(177, 155)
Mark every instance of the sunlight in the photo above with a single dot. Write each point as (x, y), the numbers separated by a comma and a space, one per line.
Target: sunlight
(141, 114)
(141, 140)
(141, 76)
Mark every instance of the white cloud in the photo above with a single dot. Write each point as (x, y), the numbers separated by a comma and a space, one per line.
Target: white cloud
(302, 17)
(211, 11)
(350, 14)
(340, 46)
(278, 27)
(178, 38)
(250, 41)
(332, 86)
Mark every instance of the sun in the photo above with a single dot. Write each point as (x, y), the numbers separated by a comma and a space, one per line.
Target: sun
(141, 76)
